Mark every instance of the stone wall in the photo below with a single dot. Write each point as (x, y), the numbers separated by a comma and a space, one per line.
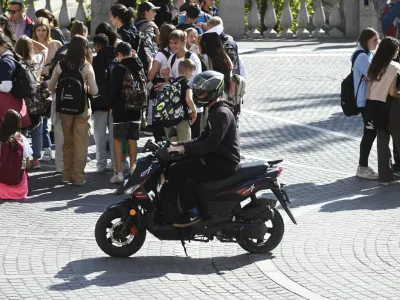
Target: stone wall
(100, 11)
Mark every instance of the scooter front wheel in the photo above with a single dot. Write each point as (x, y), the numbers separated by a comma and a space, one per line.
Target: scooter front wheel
(110, 239)
(275, 231)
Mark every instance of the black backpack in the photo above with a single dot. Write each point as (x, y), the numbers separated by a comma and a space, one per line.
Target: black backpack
(71, 97)
(347, 99)
(233, 55)
(24, 80)
(187, 56)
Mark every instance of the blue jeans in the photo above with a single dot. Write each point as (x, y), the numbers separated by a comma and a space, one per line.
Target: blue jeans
(46, 135)
(101, 121)
(37, 141)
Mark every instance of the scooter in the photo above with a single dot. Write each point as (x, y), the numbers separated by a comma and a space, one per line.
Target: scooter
(230, 208)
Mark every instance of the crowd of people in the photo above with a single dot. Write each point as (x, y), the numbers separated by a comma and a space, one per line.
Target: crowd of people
(141, 62)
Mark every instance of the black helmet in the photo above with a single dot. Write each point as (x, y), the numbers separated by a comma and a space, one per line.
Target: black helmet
(207, 86)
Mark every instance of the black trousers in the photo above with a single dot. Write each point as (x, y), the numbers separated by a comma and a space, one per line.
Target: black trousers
(184, 173)
(367, 141)
(196, 127)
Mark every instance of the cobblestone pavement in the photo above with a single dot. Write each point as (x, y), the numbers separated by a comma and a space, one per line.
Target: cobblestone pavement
(345, 246)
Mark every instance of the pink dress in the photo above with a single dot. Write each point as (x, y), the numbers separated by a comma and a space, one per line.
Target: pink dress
(19, 191)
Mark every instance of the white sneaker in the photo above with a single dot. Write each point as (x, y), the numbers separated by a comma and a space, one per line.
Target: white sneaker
(366, 173)
(47, 155)
(125, 168)
(117, 178)
(110, 166)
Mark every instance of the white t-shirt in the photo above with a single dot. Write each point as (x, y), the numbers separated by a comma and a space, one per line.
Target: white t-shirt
(162, 59)
(174, 69)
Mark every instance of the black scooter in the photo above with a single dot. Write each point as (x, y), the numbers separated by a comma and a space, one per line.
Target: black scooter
(154, 205)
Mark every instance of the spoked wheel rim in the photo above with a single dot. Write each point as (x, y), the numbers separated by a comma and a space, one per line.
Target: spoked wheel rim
(261, 241)
(113, 234)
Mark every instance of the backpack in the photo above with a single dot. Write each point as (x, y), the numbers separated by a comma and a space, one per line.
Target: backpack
(24, 80)
(134, 89)
(187, 56)
(347, 99)
(237, 90)
(148, 36)
(71, 98)
(233, 55)
(11, 158)
(169, 110)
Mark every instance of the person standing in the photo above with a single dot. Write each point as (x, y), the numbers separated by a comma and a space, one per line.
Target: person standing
(76, 128)
(56, 33)
(7, 28)
(21, 23)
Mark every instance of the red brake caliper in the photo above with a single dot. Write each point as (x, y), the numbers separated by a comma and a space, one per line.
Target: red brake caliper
(134, 231)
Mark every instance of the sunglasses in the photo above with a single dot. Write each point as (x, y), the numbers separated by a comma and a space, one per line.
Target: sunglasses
(13, 12)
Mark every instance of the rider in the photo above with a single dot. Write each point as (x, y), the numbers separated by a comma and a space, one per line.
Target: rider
(215, 154)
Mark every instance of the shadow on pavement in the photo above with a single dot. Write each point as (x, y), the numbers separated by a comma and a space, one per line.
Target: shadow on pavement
(115, 272)
(94, 196)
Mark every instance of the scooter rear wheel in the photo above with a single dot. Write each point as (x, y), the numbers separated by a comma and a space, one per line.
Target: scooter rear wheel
(275, 233)
(110, 240)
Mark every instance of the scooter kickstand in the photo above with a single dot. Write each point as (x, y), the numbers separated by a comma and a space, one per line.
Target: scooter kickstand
(184, 247)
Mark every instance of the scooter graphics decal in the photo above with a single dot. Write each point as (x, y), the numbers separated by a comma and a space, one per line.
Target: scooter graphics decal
(248, 189)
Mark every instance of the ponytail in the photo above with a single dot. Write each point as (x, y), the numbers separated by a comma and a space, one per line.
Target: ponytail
(126, 15)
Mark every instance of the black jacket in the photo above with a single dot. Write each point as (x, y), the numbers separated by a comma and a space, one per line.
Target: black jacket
(101, 65)
(117, 104)
(220, 136)
(130, 34)
(164, 14)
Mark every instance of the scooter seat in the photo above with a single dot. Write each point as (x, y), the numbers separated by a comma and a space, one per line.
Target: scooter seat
(244, 172)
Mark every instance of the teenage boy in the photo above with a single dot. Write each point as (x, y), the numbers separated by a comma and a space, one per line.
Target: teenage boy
(192, 13)
(100, 104)
(177, 43)
(203, 18)
(186, 69)
(21, 23)
(126, 123)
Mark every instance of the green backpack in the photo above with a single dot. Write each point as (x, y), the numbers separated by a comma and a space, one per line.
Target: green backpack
(169, 110)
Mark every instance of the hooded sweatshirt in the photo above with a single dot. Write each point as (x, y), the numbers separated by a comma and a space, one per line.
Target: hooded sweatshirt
(117, 103)
(220, 136)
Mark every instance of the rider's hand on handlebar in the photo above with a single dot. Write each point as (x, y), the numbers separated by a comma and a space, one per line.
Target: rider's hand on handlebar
(176, 149)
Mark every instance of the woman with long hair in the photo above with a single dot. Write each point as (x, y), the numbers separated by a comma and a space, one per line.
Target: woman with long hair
(11, 131)
(361, 58)
(76, 127)
(56, 33)
(33, 55)
(113, 37)
(42, 34)
(7, 69)
(383, 104)
(7, 28)
(123, 18)
(78, 28)
(215, 57)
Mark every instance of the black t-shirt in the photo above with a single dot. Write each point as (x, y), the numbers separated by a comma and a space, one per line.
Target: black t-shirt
(184, 26)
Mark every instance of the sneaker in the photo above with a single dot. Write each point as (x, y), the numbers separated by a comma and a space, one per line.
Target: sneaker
(385, 183)
(36, 164)
(88, 159)
(190, 218)
(125, 167)
(101, 169)
(110, 166)
(80, 183)
(117, 178)
(67, 180)
(47, 155)
(366, 173)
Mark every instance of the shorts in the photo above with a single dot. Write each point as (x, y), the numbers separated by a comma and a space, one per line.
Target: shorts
(126, 131)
